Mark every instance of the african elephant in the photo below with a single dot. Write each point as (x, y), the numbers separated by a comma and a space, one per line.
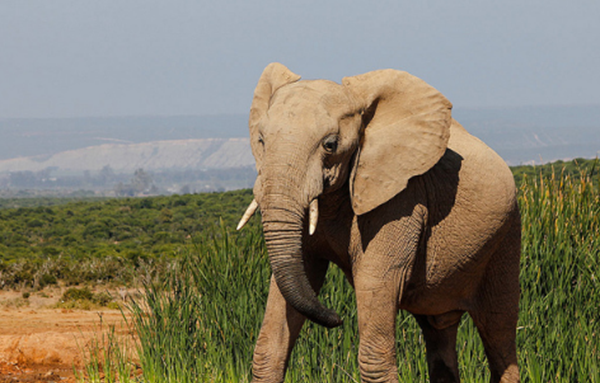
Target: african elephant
(375, 176)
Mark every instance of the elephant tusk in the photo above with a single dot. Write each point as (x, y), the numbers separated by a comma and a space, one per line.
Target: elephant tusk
(313, 216)
(248, 214)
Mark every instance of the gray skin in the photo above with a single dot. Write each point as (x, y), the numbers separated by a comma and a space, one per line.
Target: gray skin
(420, 216)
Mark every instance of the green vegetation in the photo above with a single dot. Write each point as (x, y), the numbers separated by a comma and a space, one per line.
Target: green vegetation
(85, 299)
(107, 359)
(33, 201)
(573, 168)
(199, 320)
(108, 241)
(560, 271)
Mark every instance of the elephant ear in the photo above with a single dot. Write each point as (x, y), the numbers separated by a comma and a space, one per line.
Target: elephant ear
(406, 132)
(273, 77)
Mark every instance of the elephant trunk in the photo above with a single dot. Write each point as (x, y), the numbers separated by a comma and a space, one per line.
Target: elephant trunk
(283, 223)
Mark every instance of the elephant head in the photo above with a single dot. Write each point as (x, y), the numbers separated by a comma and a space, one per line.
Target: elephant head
(373, 133)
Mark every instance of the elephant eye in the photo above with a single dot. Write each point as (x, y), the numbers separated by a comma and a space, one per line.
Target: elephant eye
(330, 144)
(261, 140)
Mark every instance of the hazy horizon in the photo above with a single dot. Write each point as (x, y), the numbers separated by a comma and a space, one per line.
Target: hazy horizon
(519, 134)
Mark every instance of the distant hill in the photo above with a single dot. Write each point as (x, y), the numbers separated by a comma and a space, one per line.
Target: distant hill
(216, 151)
(190, 154)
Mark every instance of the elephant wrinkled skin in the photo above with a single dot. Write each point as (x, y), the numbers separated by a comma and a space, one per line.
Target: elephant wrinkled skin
(419, 214)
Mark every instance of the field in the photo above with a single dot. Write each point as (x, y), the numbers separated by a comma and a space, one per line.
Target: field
(203, 286)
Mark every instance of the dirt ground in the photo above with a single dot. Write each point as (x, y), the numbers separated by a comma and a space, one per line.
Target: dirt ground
(39, 343)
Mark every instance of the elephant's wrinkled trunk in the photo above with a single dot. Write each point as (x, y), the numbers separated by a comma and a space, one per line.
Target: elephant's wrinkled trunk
(283, 224)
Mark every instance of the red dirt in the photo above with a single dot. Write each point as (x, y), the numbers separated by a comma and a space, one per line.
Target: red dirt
(42, 344)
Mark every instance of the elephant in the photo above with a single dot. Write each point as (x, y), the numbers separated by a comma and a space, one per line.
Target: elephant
(375, 176)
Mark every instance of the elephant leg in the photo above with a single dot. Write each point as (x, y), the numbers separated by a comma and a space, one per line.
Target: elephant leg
(379, 275)
(280, 329)
(497, 307)
(498, 334)
(377, 310)
(440, 340)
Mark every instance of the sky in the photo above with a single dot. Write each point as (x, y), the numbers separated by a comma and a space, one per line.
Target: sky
(84, 58)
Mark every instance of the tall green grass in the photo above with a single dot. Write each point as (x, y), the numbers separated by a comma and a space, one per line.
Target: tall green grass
(200, 324)
(107, 359)
(559, 336)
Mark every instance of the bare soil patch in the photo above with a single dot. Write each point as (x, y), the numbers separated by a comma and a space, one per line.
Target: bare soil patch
(43, 344)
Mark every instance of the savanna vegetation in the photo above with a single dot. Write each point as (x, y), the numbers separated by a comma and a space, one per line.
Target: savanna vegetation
(111, 241)
(204, 285)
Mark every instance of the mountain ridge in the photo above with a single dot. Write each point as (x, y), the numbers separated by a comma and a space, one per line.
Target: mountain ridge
(521, 135)
(208, 153)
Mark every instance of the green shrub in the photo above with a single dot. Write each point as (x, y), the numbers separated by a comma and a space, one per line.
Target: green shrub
(84, 299)
(35, 222)
(77, 294)
(46, 280)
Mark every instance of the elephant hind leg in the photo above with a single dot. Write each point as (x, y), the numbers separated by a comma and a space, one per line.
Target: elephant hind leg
(499, 340)
(440, 340)
(497, 308)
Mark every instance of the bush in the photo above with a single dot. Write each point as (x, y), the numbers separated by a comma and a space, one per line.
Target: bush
(77, 294)
(85, 299)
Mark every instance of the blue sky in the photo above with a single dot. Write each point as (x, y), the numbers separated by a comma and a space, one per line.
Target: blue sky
(75, 58)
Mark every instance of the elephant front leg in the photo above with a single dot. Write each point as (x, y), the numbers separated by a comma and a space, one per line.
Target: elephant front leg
(278, 334)
(377, 310)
